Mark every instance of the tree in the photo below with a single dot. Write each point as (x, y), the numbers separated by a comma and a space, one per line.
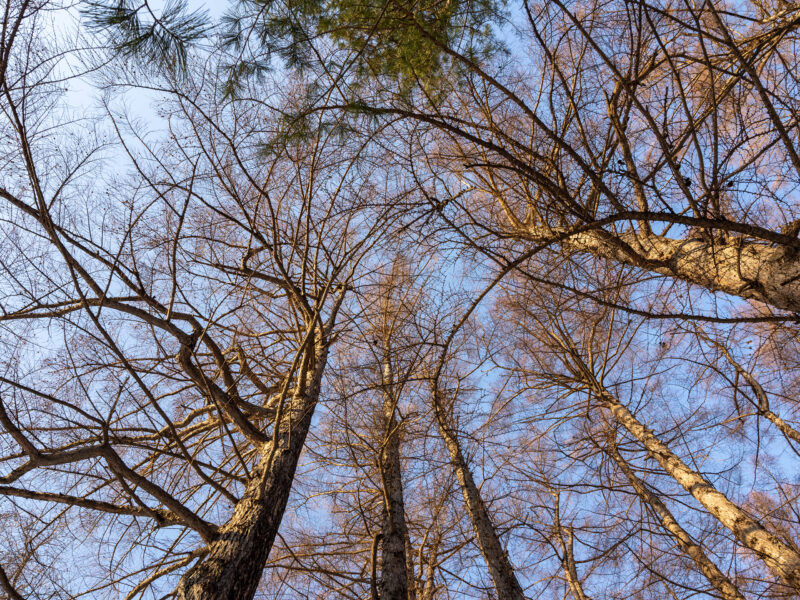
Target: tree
(418, 300)
(593, 363)
(649, 137)
(189, 314)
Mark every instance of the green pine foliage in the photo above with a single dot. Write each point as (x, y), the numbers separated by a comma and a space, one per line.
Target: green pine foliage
(159, 39)
(408, 40)
(400, 41)
(405, 42)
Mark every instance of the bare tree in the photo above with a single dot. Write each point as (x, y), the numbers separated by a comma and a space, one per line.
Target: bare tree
(585, 348)
(407, 317)
(642, 135)
(167, 329)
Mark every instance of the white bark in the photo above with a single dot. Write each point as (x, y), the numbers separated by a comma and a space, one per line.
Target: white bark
(684, 541)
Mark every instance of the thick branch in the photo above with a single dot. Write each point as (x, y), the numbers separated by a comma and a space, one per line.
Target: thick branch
(754, 271)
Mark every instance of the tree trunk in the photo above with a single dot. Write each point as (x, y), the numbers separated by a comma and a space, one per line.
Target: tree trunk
(232, 568)
(571, 571)
(394, 575)
(779, 557)
(755, 271)
(694, 551)
(500, 568)
(568, 558)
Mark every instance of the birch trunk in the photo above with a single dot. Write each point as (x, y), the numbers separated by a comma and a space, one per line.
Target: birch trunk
(500, 568)
(778, 556)
(235, 560)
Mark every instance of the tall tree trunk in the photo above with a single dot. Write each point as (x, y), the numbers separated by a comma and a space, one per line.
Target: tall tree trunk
(394, 574)
(693, 550)
(783, 560)
(232, 568)
(500, 568)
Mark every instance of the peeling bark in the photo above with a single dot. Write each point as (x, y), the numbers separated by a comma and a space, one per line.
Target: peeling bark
(232, 568)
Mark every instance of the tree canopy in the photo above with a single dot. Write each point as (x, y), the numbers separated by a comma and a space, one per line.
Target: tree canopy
(399, 300)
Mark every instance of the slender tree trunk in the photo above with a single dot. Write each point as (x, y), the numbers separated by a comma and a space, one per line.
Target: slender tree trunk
(429, 589)
(779, 557)
(427, 569)
(693, 550)
(232, 568)
(394, 575)
(571, 571)
(500, 568)
(568, 558)
(745, 269)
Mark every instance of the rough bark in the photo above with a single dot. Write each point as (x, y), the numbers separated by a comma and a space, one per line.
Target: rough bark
(232, 568)
(394, 575)
(684, 541)
(500, 568)
(778, 556)
(754, 271)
